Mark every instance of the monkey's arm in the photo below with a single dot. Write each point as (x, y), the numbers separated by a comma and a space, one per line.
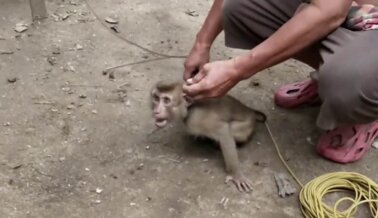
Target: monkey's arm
(230, 155)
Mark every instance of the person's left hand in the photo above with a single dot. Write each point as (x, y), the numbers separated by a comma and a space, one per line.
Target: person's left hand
(215, 79)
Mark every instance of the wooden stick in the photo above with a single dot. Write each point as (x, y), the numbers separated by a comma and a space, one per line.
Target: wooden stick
(38, 9)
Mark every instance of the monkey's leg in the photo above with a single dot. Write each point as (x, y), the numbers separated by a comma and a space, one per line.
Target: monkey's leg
(242, 130)
(230, 155)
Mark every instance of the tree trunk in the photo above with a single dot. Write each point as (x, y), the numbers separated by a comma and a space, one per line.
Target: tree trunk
(38, 9)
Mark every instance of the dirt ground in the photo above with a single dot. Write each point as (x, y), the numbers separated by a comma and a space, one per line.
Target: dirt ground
(75, 142)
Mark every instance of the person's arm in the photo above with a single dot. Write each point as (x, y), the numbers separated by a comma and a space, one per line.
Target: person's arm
(211, 28)
(212, 25)
(309, 25)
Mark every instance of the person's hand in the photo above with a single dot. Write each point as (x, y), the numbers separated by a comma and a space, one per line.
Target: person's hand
(213, 80)
(199, 56)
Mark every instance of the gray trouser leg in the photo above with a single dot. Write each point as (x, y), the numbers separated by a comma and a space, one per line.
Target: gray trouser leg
(348, 61)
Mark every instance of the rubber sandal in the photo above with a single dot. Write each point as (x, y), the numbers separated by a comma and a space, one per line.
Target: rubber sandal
(296, 94)
(347, 144)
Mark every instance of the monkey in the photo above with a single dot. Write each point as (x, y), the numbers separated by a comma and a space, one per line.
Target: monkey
(224, 120)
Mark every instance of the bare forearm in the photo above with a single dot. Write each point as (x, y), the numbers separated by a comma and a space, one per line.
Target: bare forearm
(309, 25)
(212, 25)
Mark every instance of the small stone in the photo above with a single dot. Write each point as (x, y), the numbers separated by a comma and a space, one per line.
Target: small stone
(140, 166)
(255, 83)
(7, 124)
(70, 107)
(171, 210)
(133, 204)
(128, 103)
(99, 190)
(79, 47)
(52, 60)
(21, 27)
(54, 110)
(86, 169)
(113, 176)
(55, 50)
(66, 89)
(147, 147)
(6, 52)
(111, 20)
(12, 79)
(205, 160)
(148, 198)
(82, 96)
(73, 3)
(115, 29)
(98, 201)
(375, 144)
(94, 111)
(62, 158)
(111, 75)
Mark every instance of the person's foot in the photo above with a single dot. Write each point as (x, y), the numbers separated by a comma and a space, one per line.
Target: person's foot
(297, 94)
(347, 144)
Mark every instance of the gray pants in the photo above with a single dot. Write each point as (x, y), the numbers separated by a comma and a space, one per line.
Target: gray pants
(346, 61)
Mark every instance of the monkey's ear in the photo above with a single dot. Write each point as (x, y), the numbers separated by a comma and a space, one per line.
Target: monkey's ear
(187, 100)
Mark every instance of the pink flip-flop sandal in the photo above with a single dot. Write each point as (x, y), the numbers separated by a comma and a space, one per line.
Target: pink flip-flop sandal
(348, 144)
(296, 94)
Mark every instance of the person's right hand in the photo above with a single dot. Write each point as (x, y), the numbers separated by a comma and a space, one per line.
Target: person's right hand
(198, 56)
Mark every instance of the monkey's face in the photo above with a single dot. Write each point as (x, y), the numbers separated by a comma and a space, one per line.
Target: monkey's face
(164, 107)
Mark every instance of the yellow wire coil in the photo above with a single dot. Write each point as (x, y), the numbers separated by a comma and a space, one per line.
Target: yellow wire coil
(312, 194)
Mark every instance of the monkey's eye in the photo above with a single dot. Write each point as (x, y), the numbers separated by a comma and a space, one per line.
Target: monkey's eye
(155, 98)
(166, 100)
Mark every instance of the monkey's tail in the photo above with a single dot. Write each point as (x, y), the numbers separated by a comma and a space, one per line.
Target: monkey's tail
(260, 116)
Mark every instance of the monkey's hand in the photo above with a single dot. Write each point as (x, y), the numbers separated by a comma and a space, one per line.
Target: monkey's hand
(240, 181)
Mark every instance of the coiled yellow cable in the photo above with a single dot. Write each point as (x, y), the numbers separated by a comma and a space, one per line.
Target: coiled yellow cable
(311, 195)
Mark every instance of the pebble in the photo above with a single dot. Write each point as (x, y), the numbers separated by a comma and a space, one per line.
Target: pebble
(140, 166)
(21, 27)
(12, 79)
(70, 107)
(55, 50)
(111, 75)
(111, 20)
(94, 111)
(52, 60)
(6, 52)
(147, 147)
(82, 96)
(79, 47)
(86, 169)
(99, 190)
(375, 144)
(132, 204)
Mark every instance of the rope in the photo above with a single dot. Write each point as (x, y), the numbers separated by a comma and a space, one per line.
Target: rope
(100, 20)
(311, 195)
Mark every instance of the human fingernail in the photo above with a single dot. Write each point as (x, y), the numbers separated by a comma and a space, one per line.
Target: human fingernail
(189, 81)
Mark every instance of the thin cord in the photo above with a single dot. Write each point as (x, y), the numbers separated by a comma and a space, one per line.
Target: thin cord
(280, 155)
(127, 40)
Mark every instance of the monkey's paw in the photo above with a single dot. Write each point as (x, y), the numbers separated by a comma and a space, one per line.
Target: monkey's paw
(241, 183)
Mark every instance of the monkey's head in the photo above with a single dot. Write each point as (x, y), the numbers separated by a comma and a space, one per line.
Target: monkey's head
(168, 103)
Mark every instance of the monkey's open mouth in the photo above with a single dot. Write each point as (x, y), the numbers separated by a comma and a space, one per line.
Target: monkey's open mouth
(161, 122)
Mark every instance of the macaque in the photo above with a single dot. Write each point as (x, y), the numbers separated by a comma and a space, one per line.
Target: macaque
(224, 120)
